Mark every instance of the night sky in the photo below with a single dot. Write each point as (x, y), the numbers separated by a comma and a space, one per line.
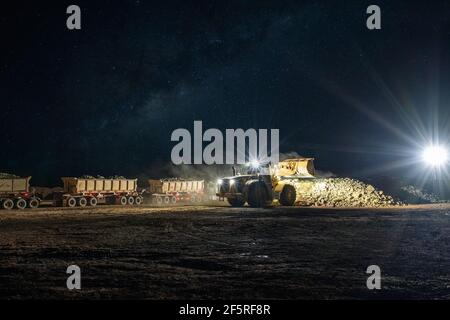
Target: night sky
(105, 99)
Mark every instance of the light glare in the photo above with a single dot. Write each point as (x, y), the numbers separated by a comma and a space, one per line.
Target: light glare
(435, 156)
(255, 164)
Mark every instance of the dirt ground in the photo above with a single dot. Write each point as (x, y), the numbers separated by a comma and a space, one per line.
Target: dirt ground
(217, 252)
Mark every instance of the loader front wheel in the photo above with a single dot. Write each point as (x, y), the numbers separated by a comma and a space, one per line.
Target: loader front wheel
(236, 202)
(288, 196)
(257, 196)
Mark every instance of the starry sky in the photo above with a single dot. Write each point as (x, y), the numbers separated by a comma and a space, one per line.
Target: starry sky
(105, 99)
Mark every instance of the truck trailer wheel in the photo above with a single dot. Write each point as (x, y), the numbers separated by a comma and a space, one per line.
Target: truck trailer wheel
(138, 201)
(93, 201)
(236, 202)
(257, 195)
(21, 204)
(288, 196)
(130, 201)
(7, 204)
(82, 202)
(71, 202)
(33, 203)
(123, 200)
(159, 201)
(173, 200)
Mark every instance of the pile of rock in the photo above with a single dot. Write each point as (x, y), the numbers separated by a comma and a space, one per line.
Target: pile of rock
(4, 175)
(88, 176)
(340, 192)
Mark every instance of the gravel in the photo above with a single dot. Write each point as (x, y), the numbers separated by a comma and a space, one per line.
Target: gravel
(4, 175)
(340, 192)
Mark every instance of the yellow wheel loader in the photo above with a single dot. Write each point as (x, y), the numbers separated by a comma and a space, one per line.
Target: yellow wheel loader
(260, 184)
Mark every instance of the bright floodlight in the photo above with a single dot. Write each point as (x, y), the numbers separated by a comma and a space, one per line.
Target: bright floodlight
(435, 156)
(255, 164)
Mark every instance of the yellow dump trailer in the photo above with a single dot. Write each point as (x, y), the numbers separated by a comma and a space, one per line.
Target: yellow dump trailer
(82, 185)
(171, 191)
(91, 191)
(15, 193)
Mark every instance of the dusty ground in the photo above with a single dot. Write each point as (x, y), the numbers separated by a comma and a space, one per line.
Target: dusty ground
(220, 252)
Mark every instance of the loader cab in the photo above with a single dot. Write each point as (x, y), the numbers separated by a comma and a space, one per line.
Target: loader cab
(252, 169)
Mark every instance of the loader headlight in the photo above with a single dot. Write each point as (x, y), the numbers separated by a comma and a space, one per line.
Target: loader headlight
(435, 155)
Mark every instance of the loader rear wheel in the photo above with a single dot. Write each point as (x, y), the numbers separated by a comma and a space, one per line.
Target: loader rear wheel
(21, 204)
(288, 196)
(33, 203)
(257, 195)
(71, 202)
(82, 202)
(236, 202)
(7, 204)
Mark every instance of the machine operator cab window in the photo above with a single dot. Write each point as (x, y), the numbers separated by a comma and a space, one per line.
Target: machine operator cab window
(256, 167)
(252, 168)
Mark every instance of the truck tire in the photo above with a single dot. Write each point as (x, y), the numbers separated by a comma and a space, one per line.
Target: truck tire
(257, 196)
(173, 200)
(7, 204)
(288, 196)
(93, 201)
(33, 203)
(71, 202)
(159, 201)
(130, 201)
(21, 204)
(236, 202)
(123, 200)
(82, 202)
(166, 200)
(138, 201)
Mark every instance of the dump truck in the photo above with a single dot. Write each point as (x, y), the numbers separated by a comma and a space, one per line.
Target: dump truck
(171, 191)
(15, 193)
(259, 185)
(92, 191)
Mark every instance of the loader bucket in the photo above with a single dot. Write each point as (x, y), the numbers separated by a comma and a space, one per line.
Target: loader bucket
(303, 167)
